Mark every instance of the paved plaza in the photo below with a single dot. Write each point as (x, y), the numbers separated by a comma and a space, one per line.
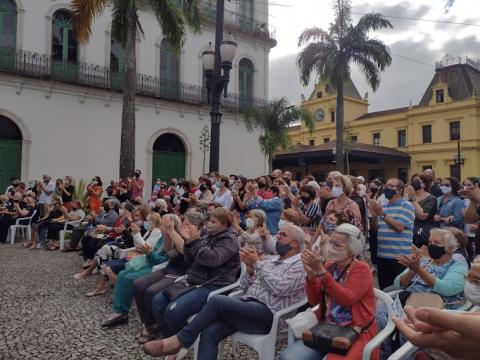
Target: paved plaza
(44, 313)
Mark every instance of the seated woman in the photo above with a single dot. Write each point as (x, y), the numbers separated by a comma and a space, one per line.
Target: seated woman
(105, 235)
(256, 235)
(15, 209)
(123, 294)
(113, 251)
(51, 214)
(344, 290)
(213, 258)
(146, 287)
(439, 274)
(75, 213)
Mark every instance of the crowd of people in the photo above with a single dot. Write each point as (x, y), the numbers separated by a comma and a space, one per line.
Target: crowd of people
(282, 239)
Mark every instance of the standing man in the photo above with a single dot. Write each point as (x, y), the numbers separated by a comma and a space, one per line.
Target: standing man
(395, 231)
(137, 185)
(435, 189)
(48, 189)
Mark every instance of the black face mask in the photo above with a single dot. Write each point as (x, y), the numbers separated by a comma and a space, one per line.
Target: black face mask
(156, 209)
(435, 251)
(261, 185)
(137, 175)
(389, 193)
(416, 184)
(106, 208)
(202, 188)
(305, 199)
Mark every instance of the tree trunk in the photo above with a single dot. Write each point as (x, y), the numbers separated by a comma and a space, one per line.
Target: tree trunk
(270, 163)
(127, 142)
(340, 156)
(204, 156)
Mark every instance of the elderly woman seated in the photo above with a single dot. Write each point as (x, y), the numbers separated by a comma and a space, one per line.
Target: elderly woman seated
(256, 235)
(123, 294)
(438, 273)
(343, 287)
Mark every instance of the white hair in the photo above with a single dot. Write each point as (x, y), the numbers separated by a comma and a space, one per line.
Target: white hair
(162, 204)
(355, 238)
(449, 240)
(259, 214)
(298, 234)
(314, 185)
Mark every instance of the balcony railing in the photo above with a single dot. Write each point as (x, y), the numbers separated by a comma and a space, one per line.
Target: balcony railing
(240, 22)
(34, 65)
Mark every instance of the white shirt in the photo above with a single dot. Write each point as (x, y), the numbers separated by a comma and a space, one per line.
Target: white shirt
(226, 200)
(44, 198)
(150, 238)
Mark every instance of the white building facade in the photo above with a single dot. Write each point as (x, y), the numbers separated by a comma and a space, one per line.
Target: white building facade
(61, 102)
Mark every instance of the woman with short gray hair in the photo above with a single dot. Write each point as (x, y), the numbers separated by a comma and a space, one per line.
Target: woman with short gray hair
(439, 273)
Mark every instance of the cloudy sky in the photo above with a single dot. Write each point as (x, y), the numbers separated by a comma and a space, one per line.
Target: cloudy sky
(414, 45)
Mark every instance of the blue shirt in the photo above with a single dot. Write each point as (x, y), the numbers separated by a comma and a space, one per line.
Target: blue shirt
(273, 208)
(392, 243)
(453, 206)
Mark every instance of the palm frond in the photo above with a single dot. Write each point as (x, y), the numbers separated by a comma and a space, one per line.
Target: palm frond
(313, 34)
(373, 49)
(372, 22)
(83, 14)
(193, 14)
(171, 20)
(120, 21)
(369, 69)
(307, 118)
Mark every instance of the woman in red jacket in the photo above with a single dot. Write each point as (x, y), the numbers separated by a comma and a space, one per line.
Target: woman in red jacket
(348, 285)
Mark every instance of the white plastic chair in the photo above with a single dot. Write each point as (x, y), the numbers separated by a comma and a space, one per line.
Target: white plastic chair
(380, 337)
(22, 227)
(265, 344)
(65, 230)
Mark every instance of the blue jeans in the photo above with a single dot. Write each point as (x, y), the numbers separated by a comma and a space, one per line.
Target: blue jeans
(172, 316)
(298, 351)
(221, 317)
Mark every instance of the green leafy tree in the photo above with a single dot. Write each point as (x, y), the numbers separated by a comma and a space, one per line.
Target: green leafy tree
(174, 16)
(330, 54)
(274, 121)
(204, 142)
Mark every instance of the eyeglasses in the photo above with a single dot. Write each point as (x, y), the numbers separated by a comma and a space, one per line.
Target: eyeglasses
(390, 186)
(282, 233)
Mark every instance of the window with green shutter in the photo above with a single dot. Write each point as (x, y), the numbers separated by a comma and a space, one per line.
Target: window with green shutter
(8, 34)
(246, 14)
(169, 71)
(117, 66)
(64, 47)
(245, 82)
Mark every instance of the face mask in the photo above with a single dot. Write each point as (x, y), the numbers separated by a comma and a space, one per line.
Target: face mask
(389, 193)
(472, 293)
(294, 190)
(362, 193)
(121, 212)
(446, 189)
(416, 184)
(282, 223)
(156, 209)
(137, 175)
(214, 229)
(261, 185)
(435, 252)
(250, 223)
(329, 183)
(202, 188)
(231, 182)
(218, 184)
(305, 199)
(329, 228)
(106, 208)
(336, 255)
(337, 191)
(146, 225)
(282, 249)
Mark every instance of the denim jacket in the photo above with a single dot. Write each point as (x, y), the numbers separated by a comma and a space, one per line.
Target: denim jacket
(454, 207)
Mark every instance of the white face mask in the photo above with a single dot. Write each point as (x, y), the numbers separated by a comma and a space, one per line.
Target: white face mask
(121, 212)
(282, 223)
(337, 191)
(446, 189)
(250, 223)
(362, 193)
(472, 293)
(336, 255)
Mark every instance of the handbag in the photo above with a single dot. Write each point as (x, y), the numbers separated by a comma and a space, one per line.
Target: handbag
(181, 286)
(331, 338)
(137, 263)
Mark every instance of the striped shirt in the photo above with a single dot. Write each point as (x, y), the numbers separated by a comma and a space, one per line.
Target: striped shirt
(276, 283)
(313, 212)
(392, 243)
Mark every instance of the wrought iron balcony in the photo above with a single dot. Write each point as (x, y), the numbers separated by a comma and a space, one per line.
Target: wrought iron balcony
(35, 65)
(239, 22)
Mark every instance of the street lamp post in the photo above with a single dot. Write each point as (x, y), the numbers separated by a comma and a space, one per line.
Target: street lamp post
(459, 160)
(217, 65)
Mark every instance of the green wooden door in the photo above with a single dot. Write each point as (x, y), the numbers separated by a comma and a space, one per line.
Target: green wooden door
(8, 34)
(117, 64)
(64, 63)
(10, 160)
(167, 165)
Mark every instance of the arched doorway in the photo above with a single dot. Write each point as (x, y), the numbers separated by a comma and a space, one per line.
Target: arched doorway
(10, 151)
(168, 157)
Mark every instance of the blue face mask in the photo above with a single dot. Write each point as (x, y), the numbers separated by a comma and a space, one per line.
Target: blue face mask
(389, 193)
(282, 249)
(146, 225)
(328, 227)
(294, 190)
(218, 184)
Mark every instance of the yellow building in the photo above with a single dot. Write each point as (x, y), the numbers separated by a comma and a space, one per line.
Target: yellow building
(442, 128)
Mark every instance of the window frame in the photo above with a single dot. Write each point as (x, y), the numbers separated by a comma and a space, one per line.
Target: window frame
(375, 138)
(402, 135)
(424, 127)
(455, 126)
(440, 94)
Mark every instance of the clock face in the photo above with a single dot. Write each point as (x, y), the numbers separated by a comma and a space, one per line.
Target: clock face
(319, 115)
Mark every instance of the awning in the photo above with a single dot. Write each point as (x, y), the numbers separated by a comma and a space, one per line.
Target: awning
(299, 155)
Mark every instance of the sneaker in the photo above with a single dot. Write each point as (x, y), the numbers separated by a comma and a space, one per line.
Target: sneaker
(41, 245)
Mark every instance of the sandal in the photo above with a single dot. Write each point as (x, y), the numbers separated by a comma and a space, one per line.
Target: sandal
(95, 293)
(52, 248)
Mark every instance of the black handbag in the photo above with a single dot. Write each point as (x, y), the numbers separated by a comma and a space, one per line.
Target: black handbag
(181, 286)
(331, 338)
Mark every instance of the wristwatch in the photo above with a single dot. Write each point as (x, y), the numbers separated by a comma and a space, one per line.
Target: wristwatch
(413, 199)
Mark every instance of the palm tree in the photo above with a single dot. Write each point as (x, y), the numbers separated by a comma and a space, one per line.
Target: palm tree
(330, 54)
(173, 16)
(274, 121)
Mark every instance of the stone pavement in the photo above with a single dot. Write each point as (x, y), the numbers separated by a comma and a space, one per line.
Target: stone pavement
(44, 313)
